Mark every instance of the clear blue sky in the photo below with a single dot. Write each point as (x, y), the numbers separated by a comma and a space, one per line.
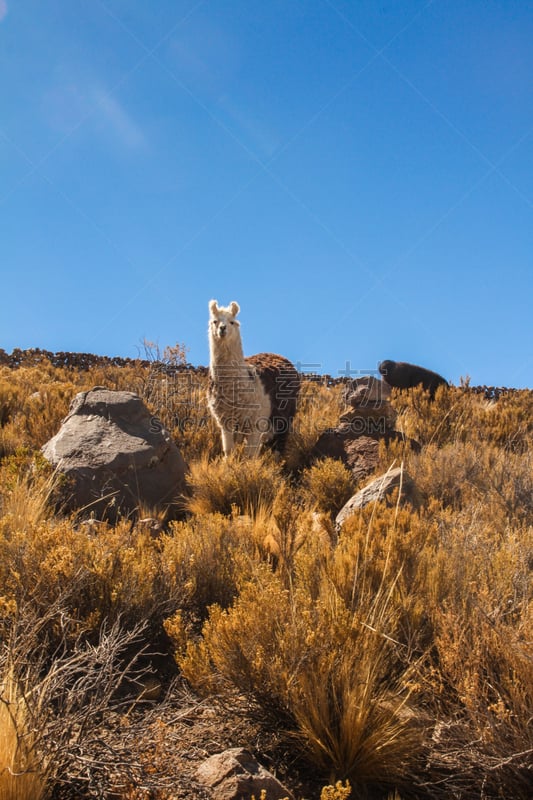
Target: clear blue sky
(357, 175)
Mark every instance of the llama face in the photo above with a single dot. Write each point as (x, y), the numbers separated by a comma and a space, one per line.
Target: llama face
(222, 322)
(386, 367)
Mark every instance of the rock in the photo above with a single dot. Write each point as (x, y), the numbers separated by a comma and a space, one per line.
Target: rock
(370, 410)
(236, 775)
(116, 456)
(359, 452)
(369, 418)
(151, 525)
(367, 389)
(377, 490)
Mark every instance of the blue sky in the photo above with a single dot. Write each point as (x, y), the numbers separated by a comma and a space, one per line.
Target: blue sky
(357, 175)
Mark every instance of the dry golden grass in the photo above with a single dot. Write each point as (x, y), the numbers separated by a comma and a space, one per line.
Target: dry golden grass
(328, 485)
(319, 408)
(326, 669)
(204, 560)
(22, 773)
(456, 415)
(336, 792)
(226, 485)
(400, 656)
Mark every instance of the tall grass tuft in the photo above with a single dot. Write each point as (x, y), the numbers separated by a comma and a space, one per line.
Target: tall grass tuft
(329, 673)
(22, 771)
(28, 489)
(235, 483)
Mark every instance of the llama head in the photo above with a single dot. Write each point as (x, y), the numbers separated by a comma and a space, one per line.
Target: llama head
(222, 322)
(386, 367)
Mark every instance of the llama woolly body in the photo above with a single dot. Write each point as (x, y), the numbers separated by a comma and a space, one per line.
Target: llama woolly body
(252, 399)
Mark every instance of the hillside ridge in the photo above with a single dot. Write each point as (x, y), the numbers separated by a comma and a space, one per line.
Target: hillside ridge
(86, 361)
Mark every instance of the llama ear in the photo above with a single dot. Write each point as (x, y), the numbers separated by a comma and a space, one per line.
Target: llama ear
(234, 308)
(213, 307)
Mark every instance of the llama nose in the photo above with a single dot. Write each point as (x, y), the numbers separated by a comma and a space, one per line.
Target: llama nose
(222, 330)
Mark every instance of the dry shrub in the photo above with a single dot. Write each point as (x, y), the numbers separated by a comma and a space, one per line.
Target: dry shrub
(328, 672)
(112, 572)
(328, 485)
(57, 713)
(10, 439)
(471, 590)
(174, 355)
(226, 484)
(45, 411)
(482, 622)
(448, 417)
(204, 559)
(280, 532)
(11, 397)
(336, 792)
(115, 574)
(39, 399)
(470, 474)
(27, 488)
(179, 400)
(458, 415)
(462, 599)
(507, 422)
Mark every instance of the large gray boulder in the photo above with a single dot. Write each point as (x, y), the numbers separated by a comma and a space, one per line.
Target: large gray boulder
(236, 775)
(117, 458)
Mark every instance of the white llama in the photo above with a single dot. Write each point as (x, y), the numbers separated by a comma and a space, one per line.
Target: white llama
(253, 399)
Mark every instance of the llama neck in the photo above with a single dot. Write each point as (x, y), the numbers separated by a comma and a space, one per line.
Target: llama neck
(223, 353)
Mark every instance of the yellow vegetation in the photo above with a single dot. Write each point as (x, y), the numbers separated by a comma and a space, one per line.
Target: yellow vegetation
(22, 772)
(399, 657)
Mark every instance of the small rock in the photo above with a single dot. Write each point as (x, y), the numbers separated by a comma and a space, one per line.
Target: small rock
(370, 410)
(377, 490)
(151, 525)
(358, 451)
(367, 389)
(236, 775)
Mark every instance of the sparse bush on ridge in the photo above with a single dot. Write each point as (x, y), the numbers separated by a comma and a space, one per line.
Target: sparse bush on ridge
(456, 415)
(400, 657)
